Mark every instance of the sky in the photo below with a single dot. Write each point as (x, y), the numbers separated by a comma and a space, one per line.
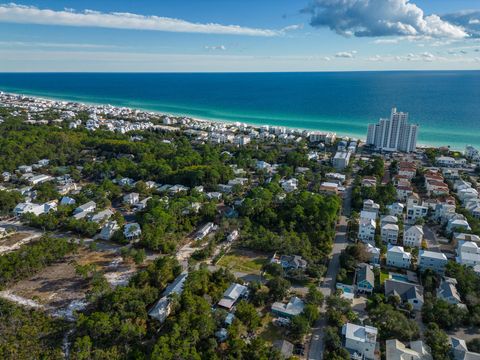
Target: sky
(239, 35)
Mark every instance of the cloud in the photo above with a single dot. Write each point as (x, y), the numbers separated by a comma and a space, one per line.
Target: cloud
(14, 13)
(346, 54)
(216, 47)
(55, 45)
(468, 19)
(375, 18)
(386, 41)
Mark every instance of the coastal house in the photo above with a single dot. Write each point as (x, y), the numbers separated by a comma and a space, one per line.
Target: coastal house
(374, 254)
(468, 253)
(132, 231)
(289, 310)
(398, 257)
(396, 209)
(367, 228)
(101, 216)
(284, 347)
(39, 179)
(432, 260)
(447, 291)
(162, 308)
(83, 210)
(234, 293)
(460, 350)
(458, 225)
(389, 233)
(407, 292)
(131, 198)
(416, 212)
(418, 350)
(108, 230)
(371, 206)
(289, 261)
(413, 236)
(365, 279)
(66, 200)
(289, 185)
(204, 231)
(360, 341)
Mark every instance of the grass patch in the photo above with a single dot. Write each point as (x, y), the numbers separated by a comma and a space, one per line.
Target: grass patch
(383, 276)
(242, 263)
(270, 332)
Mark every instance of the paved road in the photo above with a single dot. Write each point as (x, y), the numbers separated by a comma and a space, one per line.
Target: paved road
(328, 284)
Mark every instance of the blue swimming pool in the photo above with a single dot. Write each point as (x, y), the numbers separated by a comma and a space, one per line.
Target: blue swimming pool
(399, 277)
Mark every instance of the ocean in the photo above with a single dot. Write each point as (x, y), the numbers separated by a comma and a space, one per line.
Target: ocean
(446, 104)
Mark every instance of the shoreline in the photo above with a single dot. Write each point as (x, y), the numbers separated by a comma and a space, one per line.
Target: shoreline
(362, 138)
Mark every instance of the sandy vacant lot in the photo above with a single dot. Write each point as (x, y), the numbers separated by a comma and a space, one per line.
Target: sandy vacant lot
(59, 290)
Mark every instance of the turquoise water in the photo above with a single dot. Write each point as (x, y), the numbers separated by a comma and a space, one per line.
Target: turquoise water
(446, 104)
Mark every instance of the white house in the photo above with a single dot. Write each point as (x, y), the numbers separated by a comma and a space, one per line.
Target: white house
(432, 260)
(374, 254)
(458, 225)
(389, 233)
(418, 350)
(204, 230)
(388, 219)
(468, 253)
(366, 232)
(416, 212)
(132, 231)
(370, 205)
(108, 230)
(396, 209)
(398, 257)
(131, 198)
(360, 339)
(82, 211)
(232, 295)
(413, 236)
(39, 179)
(289, 185)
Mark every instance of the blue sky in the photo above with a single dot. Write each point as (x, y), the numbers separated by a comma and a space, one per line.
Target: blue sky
(247, 35)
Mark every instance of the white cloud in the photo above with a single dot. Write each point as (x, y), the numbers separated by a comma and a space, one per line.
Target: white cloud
(216, 47)
(373, 18)
(346, 54)
(14, 13)
(55, 45)
(386, 41)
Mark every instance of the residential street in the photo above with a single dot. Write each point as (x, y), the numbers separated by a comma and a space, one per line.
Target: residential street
(328, 284)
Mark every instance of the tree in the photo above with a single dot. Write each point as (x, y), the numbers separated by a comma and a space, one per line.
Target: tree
(247, 314)
(314, 296)
(438, 342)
(278, 288)
(299, 326)
(273, 269)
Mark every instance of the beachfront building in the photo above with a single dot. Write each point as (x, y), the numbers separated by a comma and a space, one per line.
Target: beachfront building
(394, 134)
